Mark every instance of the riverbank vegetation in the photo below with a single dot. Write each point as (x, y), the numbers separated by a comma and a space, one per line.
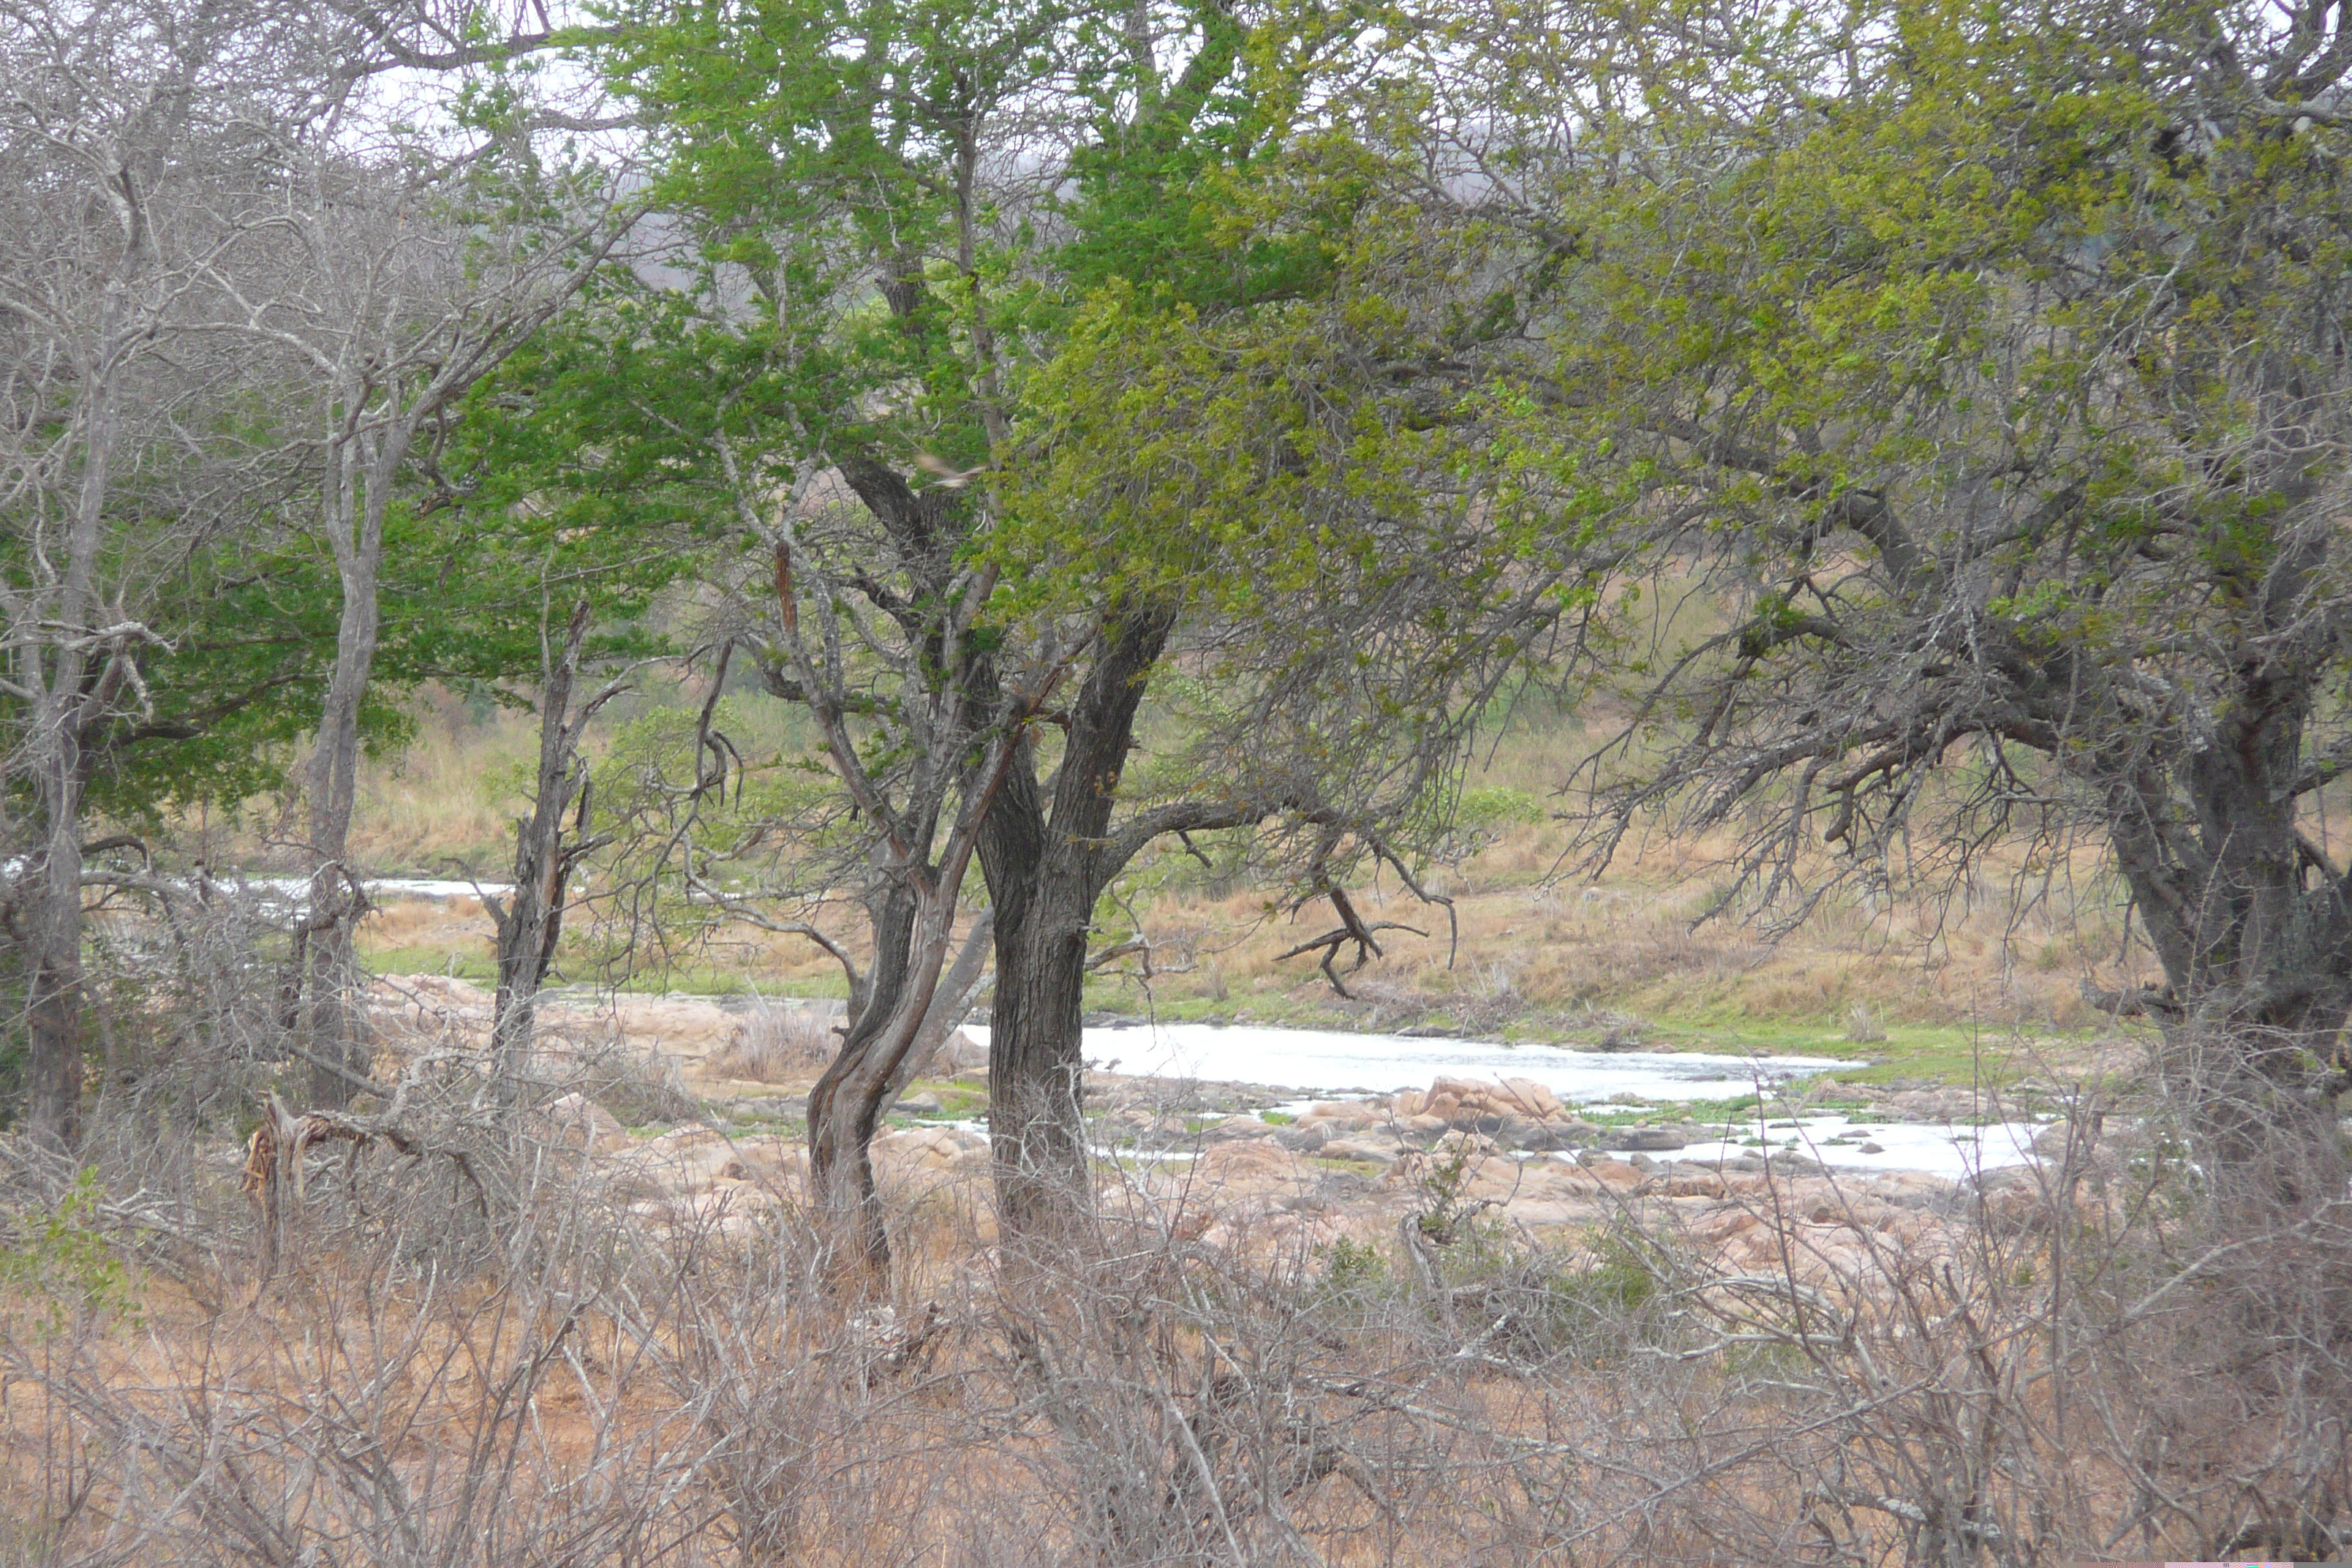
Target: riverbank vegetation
(1662, 522)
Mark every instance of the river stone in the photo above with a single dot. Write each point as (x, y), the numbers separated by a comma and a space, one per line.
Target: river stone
(1526, 1132)
(1303, 1138)
(1422, 1131)
(2052, 1141)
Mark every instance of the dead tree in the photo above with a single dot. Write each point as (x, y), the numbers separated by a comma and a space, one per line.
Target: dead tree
(529, 918)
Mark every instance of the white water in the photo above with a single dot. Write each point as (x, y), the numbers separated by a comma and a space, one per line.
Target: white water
(1325, 1062)
(1933, 1147)
(1322, 1064)
(432, 889)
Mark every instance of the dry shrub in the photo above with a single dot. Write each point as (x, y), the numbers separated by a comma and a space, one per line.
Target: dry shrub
(2143, 1348)
(777, 1043)
(637, 1084)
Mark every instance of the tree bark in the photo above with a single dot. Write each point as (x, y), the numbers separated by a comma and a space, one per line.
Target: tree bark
(848, 1103)
(75, 689)
(529, 920)
(1045, 873)
(359, 491)
(53, 930)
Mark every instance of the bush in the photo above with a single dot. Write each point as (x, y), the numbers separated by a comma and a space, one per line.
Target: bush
(774, 1043)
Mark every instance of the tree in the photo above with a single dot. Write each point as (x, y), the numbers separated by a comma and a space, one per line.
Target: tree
(868, 201)
(529, 918)
(1986, 374)
(388, 282)
(133, 150)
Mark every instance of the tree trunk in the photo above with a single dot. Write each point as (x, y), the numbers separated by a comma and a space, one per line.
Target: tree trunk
(531, 919)
(1045, 874)
(54, 1021)
(2253, 929)
(358, 496)
(950, 1006)
(72, 697)
(914, 925)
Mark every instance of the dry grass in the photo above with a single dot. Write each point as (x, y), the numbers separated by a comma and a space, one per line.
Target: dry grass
(1532, 943)
(778, 1044)
(563, 1371)
(449, 797)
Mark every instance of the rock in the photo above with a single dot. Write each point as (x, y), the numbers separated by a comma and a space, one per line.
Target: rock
(1613, 1172)
(1234, 1128)
(1341, 1116)
(1478, 1105)
(1302, 1138)
(1423, 1129)
(1429, 1032)
(767, 1107)
(2052, 1142)
(931, 1149)
(2009, 1201)
(1529, 1098)
(1657, 1139)
(1165, 1132)
(580, 1122)
(959, 1053)
(923, 1104)
(1936, 1105)
(1526, 1132)
(1252, 1163)
(1873, 1149)
(1914, 1190)
(1356, 1149)
(682, 1161)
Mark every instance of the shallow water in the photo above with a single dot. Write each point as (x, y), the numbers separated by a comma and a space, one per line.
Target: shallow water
(1933, 1147)
(1324, 1064)
(432, 889)
(1327, 1062)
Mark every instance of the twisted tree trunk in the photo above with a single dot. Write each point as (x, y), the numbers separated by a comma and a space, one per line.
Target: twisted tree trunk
(1045, 874)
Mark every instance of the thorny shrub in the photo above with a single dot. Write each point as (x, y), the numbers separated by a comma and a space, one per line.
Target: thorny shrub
(2117, 1352)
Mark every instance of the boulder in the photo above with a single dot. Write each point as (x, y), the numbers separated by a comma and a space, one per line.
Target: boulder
(682, 1161)
(1251, 1164)
(1422, 1130)
(1481, 1105)
(931, 1148)
(1649, 1139)
(579, 1122)
(1531, 1098)
(960, 1053)
(1526, 1132)
(1936, 1105)
(2054, 1140)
